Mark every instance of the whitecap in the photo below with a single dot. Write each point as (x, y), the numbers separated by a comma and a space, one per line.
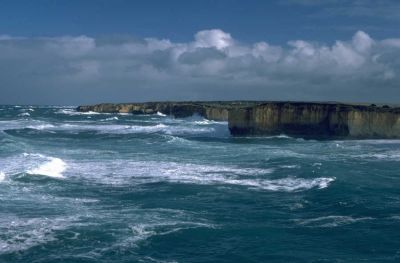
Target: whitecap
(177, 140)
(285, 184)
(161, 114)
(41, 126)
(33, 155)
(127, 129)
(291, 166)
(115, 118)
(24, 114)
(330, 221)
(143, 172)
(2, 176)
(53, 167)
(73, 112)
(389, 156)
(89, 113)
(280, 136)
(66, 111)
(204, 122)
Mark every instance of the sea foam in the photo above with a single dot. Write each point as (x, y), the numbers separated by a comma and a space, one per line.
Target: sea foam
(138, 172)
(2, 176)
(53, 167)
(161, 114)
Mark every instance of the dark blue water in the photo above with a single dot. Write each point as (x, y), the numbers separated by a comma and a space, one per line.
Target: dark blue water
(123, 188)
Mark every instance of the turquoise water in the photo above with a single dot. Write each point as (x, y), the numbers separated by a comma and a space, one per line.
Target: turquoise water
(87, 187)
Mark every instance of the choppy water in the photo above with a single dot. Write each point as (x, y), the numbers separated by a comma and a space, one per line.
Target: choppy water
(86, 187)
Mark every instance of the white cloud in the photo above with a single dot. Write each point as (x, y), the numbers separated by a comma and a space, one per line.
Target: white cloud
(213, 38)
(71, 46)
(362, 42)
(212, 66)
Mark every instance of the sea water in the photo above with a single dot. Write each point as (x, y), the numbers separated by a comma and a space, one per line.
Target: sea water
(90, 187)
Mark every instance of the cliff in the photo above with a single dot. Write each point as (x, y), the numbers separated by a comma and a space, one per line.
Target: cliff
(316, 120)
(214, 110)
(299, 119)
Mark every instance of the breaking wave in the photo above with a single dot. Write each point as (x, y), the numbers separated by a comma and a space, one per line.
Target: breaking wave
(24, 114)
(161, 114)
(52, 167)
(2, 176)
(73, 112)
(125, 129)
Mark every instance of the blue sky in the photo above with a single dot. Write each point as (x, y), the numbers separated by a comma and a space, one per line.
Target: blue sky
(278, 21)
(123, 50)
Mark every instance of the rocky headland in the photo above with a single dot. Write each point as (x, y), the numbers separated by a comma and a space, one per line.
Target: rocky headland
(299, 119)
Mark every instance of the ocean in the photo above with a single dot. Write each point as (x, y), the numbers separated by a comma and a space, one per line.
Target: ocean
(90, 187)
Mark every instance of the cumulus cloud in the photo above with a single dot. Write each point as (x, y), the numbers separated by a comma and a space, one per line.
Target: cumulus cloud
(213, 38)
(214, 65)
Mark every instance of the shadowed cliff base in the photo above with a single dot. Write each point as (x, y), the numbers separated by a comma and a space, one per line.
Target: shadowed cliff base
(319, 120)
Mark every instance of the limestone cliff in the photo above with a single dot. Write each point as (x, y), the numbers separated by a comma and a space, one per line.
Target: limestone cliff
(212, 110)
(302, 119)
(316, 120)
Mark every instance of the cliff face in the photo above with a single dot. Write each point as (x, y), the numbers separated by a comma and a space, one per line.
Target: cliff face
(316, 120)
(302, 119)
(217, 111)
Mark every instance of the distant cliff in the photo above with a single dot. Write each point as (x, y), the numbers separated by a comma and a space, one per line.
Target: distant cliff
(301, 119)
(316, 120)
(215, 110)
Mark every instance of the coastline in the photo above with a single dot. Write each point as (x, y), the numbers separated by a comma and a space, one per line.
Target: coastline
(300, 119)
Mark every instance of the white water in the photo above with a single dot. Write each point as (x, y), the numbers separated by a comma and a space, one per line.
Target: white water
(54, 167)
(2, 176)
(143, 172)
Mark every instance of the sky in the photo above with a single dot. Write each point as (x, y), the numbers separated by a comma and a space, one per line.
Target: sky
(70, 52)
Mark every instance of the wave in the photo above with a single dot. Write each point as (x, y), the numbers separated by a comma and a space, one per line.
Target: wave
(73, 112)
(285, 184)
(389, 156)
(24, 123)
(24, 114)
(115, 118)
(53, 167)
(144, 231)
(144, 172)
(2, 176)
(281, 136)
(19, 234)
(125, 129)
(41, 126)
(290, 166)
(177, 140)
(330, 221)
(161, 114)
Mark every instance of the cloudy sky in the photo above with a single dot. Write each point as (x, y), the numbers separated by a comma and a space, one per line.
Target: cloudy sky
(79, 52)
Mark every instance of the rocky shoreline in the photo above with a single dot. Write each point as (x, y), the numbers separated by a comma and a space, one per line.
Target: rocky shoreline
(299, 119)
